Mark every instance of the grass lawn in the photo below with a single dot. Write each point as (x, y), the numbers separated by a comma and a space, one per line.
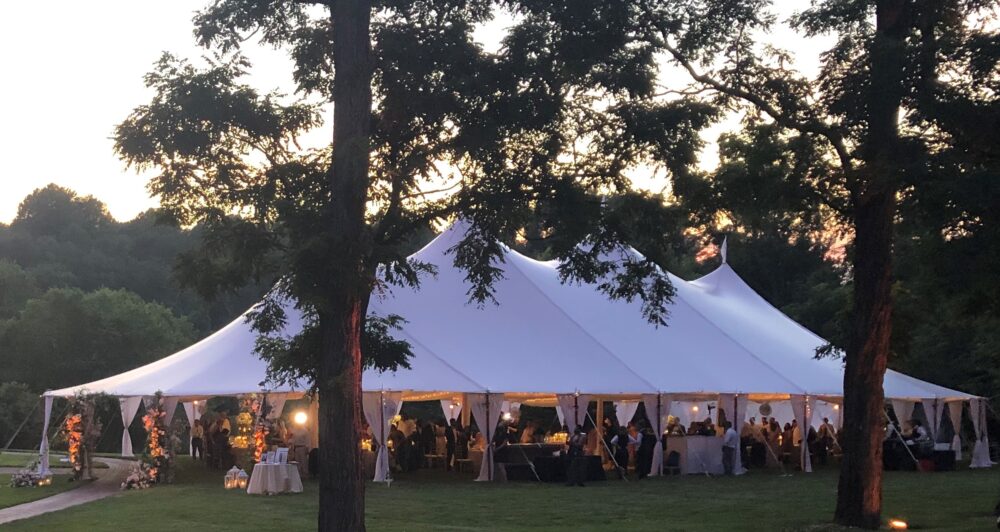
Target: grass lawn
(961, 500)
(21, 459)
(11, 496)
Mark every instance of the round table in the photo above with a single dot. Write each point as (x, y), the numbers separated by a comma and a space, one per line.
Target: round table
(268, 479)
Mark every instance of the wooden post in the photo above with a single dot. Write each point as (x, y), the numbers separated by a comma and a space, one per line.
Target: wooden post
(599, 420)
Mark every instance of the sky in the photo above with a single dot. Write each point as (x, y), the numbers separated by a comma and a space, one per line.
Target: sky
(71, 70)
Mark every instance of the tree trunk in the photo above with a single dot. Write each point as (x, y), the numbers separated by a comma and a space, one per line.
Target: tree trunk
(859, 493)
(342, 488)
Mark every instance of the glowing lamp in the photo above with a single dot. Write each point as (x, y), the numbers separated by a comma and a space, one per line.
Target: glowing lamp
(45, 481)
(242, 479)
(507, 416)
(898, 524)
(694, 408)
(300, 418)
(836, 407)
(231, 480)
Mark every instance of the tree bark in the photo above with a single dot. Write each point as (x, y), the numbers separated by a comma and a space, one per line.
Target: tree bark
(341, 318)
(859, 492)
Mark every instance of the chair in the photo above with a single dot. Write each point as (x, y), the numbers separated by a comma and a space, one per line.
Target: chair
(431, 460)
(463, 464)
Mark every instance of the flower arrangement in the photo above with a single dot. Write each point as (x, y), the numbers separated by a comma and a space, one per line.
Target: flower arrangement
(157, 460)
(73, 431)
(140, 477)
(30, 477)
(259, 441)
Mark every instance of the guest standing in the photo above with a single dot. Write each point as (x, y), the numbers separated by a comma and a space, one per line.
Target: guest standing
(197, 440)
(730, 441)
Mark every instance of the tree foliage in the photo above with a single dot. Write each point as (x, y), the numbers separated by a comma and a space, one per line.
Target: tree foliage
(81, 336)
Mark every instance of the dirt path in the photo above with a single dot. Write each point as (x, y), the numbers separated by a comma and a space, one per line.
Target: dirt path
(108, 483)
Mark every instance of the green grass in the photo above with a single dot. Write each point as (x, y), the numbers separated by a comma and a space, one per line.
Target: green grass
(11, 496)
(22, 459)
(961, 500)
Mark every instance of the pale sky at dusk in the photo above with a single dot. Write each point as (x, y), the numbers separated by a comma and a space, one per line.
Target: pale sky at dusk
(70, 71)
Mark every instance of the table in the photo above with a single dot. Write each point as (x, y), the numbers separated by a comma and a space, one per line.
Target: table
(698, 454)
(268, 479)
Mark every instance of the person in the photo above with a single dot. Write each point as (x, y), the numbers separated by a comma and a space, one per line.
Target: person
(730, 441)
(224, 422)
(577, 467)
(788, 442)
(644, 455)
(396, 442)
(197, 440)
(528, 434)
(773, 439)
(427, 439)
(707, 428)
(918, 440)
(824, 440)
(223, 455)
(620, 445)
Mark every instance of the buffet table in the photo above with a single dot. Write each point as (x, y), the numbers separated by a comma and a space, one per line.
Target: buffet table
(269, 479)
(698, 454)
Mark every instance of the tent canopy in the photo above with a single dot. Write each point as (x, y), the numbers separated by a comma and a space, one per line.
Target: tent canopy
(546, 337)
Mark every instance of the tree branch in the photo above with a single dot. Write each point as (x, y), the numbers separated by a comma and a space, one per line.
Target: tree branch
(832, 136)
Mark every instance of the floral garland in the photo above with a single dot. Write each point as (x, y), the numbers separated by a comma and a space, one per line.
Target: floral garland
(73, 430)
(156, 460)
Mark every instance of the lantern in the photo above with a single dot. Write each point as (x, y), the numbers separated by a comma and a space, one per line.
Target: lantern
(242, 479)
(898, 524)
(45, 480)
(231, 480)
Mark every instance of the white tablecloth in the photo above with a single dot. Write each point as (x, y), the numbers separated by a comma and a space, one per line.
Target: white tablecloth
(268, 479)
(698, 454)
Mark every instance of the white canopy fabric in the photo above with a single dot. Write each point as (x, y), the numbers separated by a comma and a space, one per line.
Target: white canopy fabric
(546, 337)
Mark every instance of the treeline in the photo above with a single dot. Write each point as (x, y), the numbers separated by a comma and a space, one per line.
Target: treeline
(83, 297)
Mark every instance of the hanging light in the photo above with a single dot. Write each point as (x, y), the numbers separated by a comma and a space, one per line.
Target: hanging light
(300, 418)
(898, 524)
(836, 407)
(694, 408)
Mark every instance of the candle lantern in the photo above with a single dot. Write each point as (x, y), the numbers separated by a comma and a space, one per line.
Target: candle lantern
(242, 479)
(231, 481)
(45, 480)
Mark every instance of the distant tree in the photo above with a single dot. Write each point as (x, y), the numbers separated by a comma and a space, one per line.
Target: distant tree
(16, 288)
(427, 127)
(20, 406)
(79, 337)
(63, 240)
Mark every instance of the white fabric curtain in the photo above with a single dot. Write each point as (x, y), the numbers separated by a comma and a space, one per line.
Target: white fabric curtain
(451, 409)
(981, 450)
(277, 403)
(380, 408)
(169, 407)
(486, 409)
(903, 409)
(625, 411)
(736, 412)
(129, 406)
(561, 415)
(933, 411)
(955, 413)
(574, 409)
(43, 448)
(803, 406)
(654, 402)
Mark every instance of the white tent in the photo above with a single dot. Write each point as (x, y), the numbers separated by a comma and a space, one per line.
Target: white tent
(545, 338)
